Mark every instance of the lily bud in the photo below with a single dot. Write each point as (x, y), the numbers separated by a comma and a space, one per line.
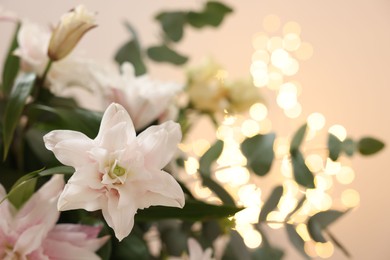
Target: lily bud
(69, 31)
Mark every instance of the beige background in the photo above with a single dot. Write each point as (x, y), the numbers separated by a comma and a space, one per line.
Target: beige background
(347, 79)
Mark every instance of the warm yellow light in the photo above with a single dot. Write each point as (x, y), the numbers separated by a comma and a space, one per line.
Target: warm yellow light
(287, 204)
(250, 128)
(310, 249)
(304, 52)
(302, 231)
(259, 73)
(275, 216)
(293, 112)
(249, 195)
(291, 42)
(265, 126)
(260, 41)
(252, 238)
(280, 58)
(191, 165)
(346, 175)
(319, 199)
(291, 67)
(247, 215)
(271, 23)
(292, 27)
(200, 146)
(314, 162)
(241, 176)
(261, 55)
(275, 80)
(258, 111)
(274, 43)
(339, 131)
(202, 192)
(323, 181)
(224, 132)
(286, 167)
(281, 146)
(331, 167)
(350, 198)
(287, 97)
(316, 121)
(324, 250)
(290, 188)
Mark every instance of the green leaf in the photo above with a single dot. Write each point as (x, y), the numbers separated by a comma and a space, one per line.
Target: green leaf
(14, 108)
(212, 15)
(131, 247)
(163, 53)
(209, 157)
(259, 153)
(349, 146)
(172, 23)
(131, 52)
(297, 139)
(34, 138)
(369, 145)
(173, 237)
(11, 65)
(267, 253)
(271, 203)
(302, 174)
(297, 207)
(24, 193)
(218, 190)
(296, 239)
(193, 211)
(320, 221)
(334, 147)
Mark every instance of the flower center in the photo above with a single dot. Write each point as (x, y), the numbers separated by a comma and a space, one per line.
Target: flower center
(116, 170)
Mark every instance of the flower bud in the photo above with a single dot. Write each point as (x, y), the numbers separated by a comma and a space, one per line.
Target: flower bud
(69, 31)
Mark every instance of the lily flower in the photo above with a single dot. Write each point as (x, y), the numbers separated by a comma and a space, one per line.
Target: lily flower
(32, 233)
(118, 172)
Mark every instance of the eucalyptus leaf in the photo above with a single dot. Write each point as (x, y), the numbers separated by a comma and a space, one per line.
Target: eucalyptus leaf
(209, 157)
(369, 145)
(172, 24)
(259, 153)
(271, 203)
(14, 108)
(267, 253)
(218, 190)
(334, 147)
(11, 65)
(302, 174)
(298, 138)
(192, 211)
(212, 15)
(296, 239)
(163, 53)
(349, 146)
(320, 221)
(23, 193)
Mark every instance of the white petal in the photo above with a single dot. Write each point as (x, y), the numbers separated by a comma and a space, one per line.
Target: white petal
(162, 190)
(76, 196)
(30, 239)
(113, 115)
(69, 147)
(159, 143)
(115, 138)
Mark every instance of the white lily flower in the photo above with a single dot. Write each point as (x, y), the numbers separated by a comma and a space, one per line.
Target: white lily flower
(118, 172)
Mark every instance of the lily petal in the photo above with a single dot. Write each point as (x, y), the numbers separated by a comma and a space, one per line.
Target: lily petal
(76, 196)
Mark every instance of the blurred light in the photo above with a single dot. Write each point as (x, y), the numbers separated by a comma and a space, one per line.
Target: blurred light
(304, 52)
(249, 195)
(314, 162)
(186, 148)
(291, 42)
(291, 67)
(292, 27)
(271, 23)
(319, 199)
(191, 165)
(229, 119)
(281, 146)
(277, 217)
(287, 204)
(274, 43)
(287, 97)
(324, 250)
(294, 112)
(339, 131)
(261, 55)
(332, 167)
(258, 111)
(286, 167)
(252, 238)
(241, 176)
(323, 181)
(275, 80)
(248, 215)
(280, 58)
(346, 175)
(310, 249)
(265, 126)
(201, 191)
(224, 132)
(260, 41)
(200, 146)
(350, 198)
(250, 128)
(316, 121)
(302, 231)
(290, 187)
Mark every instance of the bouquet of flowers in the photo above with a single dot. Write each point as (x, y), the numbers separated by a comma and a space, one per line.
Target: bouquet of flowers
(121, 183)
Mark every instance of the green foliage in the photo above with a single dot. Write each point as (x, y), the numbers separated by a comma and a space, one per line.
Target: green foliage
(11, 65)
(172, 24)
(297, 139)
(212, 15)
(14, 108)
(349, 146)
(23, 193)
(320, 221)
(302, 175)
(163, 53)
(296, 239)
(259, 153)
(192, 211)
(267, 253)
(271, 203)
(369, 145)
(334, 147)
(131, 52)
(131, 247)
(209, 157)
(236, 248)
